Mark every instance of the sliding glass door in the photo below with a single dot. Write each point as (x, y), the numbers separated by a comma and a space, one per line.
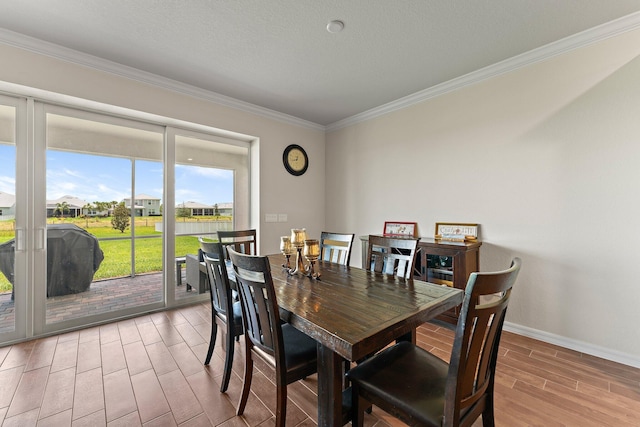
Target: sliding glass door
(100, 214)
(104, 183)
(211, 194)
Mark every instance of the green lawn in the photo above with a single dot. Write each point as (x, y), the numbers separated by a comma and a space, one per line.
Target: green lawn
(117, 253)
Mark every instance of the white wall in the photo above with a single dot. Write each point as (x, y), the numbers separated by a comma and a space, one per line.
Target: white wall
(547, 160)
(301, 198)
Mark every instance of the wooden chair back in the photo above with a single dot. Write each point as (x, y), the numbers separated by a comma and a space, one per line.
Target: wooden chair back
(420, 388)
(475, 347)
(291, 353)
(243, 241)
(224, 312)
(392, 255)
(221, 299)
(336, 247)
(261, 316)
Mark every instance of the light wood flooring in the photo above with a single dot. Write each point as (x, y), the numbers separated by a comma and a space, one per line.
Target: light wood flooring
(148, 371)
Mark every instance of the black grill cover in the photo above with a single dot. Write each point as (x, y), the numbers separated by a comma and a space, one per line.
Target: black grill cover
(7, 257)
(73, 256)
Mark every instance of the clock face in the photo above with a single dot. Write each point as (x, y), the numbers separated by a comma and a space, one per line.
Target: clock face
(295, 159)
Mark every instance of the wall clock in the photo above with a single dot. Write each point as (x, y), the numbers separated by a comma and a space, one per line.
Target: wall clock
(295, 160)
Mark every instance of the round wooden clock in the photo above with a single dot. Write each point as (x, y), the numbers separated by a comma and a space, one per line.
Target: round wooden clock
(295, 160)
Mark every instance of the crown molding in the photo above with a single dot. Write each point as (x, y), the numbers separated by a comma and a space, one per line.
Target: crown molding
(52, 50)
(587, 37)
(576, 41)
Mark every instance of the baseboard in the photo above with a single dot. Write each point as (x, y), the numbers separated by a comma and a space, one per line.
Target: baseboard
(593, 350)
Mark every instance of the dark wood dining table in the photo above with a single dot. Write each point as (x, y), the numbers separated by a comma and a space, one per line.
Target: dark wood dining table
(351, 313)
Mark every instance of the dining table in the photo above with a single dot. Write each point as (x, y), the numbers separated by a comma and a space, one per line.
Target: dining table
(352, 313)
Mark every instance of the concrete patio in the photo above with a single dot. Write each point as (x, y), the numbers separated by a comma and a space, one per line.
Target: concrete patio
(103, 296)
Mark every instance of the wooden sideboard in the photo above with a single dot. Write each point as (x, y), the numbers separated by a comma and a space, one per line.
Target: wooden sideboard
(443, 262)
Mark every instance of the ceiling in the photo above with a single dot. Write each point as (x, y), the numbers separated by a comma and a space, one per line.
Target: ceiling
(277, 54)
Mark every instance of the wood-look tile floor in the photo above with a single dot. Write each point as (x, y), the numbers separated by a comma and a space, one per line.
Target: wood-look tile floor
(148, 371)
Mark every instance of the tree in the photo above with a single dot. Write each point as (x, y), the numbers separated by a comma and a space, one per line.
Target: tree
(102, 207)
(216, 211)
(120, 220)
(183, 212)
(86, 209)
(61, 208)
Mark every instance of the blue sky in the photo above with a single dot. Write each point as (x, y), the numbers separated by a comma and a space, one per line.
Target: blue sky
(99, 178)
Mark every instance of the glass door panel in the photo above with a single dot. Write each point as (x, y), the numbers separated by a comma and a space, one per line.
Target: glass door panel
(207, 193)
(147, 224)
(95, 173)
(8, 273)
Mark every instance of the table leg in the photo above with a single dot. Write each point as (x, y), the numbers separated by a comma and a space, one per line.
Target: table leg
(330, 373)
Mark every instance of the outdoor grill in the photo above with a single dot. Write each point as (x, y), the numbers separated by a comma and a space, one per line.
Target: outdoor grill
(73, 256)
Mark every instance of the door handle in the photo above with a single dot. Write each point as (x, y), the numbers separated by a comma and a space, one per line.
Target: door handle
(19, 240)
(39, 239)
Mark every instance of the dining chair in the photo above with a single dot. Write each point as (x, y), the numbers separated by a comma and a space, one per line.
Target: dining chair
(419, 388)
(243, 241)
(391, 255)
(336, 247)
(196, 273)
(206, 245)
(394, 256)
(291, 353)
(224, 311)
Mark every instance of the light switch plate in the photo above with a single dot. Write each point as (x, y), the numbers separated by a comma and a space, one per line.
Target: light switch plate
(271, 218)
(283, 217)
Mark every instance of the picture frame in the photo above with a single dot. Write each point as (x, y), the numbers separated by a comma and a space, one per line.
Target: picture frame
(456, 231)
(398, 228)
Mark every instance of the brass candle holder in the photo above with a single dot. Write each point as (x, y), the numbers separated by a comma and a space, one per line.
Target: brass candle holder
(311, 253)
(298, 236)
(287, 249)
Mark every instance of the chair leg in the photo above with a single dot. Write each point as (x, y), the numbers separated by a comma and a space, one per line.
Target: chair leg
(488, 419)
(358, 406)
(212, 340)
(246, 383)
(281, 406)
(228, 362)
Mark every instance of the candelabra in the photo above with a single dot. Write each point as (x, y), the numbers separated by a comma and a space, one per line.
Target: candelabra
(298, 236)
(303, 248)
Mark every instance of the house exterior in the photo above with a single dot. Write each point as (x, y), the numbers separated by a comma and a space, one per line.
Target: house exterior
(225, 209)
(7, 205)
(196, 209)
(145, 205)
(200, 209)
(93, 211)
(74, 205)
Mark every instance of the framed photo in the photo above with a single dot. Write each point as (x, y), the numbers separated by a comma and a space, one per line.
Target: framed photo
(395, 228)
(460, 232)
